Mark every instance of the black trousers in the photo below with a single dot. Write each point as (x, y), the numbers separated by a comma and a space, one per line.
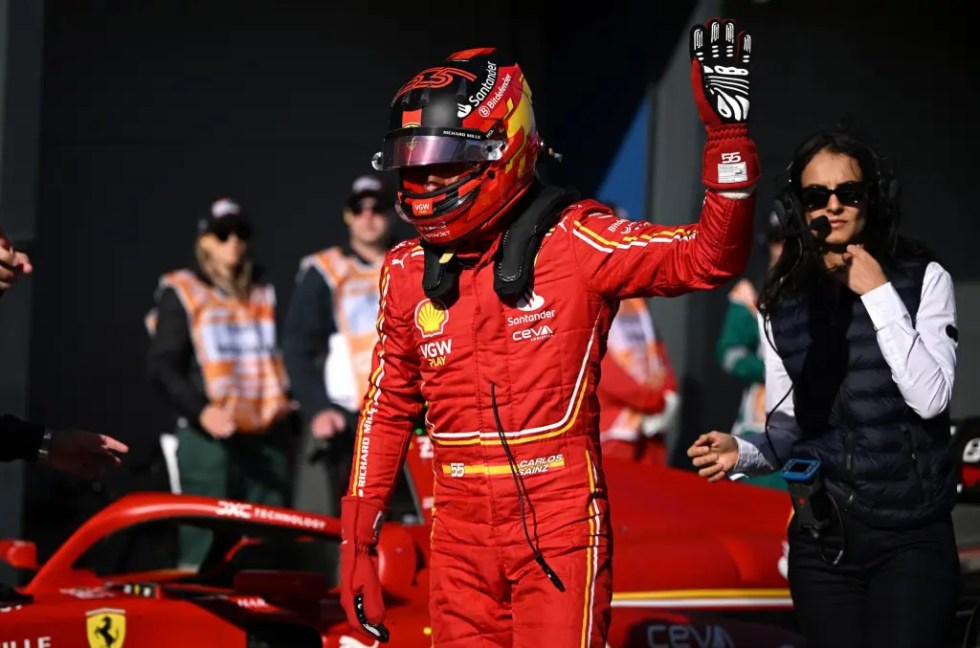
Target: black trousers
(892, 588)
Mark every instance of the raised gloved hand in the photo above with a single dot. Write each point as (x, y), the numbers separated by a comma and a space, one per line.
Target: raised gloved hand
(360, 587)
(720, 72)
(720, 79)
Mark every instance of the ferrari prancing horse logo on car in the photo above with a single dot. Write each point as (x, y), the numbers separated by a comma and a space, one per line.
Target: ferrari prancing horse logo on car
(105, 627)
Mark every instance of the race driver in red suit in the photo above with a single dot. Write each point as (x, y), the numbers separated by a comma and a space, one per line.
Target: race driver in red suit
(495, 319)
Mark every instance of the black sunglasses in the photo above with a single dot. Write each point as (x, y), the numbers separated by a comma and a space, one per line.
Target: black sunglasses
(852, 193)
(360, 208)
(223, 232)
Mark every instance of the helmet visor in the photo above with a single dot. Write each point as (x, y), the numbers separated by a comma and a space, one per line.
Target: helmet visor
(424, 146)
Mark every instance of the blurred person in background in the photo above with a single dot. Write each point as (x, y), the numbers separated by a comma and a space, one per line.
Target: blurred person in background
(328, 339)
(76, 452)
(637, 391)
(740, 353)
(213, 354)
(860, 340)
(494, 320)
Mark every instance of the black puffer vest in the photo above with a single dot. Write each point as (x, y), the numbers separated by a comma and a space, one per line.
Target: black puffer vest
(882, 463)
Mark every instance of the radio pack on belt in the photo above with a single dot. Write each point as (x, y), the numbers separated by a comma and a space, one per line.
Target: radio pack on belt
(810, 503)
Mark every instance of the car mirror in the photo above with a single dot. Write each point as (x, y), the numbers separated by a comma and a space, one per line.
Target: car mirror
(19, 554)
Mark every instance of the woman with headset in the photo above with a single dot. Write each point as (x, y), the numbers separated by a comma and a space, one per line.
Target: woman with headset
(859, 325)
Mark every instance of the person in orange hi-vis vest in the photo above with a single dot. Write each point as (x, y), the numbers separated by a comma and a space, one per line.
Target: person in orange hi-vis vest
(214, 356)
(328, 339)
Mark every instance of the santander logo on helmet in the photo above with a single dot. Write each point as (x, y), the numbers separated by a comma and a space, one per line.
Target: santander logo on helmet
(472, 111)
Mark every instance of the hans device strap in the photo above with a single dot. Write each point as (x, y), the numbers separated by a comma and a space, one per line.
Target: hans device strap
(440, 276)
(515, 265)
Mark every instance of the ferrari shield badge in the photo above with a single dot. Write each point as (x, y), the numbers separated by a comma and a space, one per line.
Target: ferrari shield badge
(106, 628)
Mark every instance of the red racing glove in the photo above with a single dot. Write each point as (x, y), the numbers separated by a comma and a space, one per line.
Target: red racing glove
(360, 587)
(720, 80)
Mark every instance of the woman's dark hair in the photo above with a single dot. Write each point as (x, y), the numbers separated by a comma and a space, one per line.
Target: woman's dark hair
(801, 267)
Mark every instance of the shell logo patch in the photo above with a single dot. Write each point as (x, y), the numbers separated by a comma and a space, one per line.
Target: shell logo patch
(431, 317)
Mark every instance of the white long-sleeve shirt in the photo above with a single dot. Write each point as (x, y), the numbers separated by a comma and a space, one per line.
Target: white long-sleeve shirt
(922, 360)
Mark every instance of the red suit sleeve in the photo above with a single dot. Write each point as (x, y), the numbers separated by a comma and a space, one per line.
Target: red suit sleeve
(393, 402)
(622, 258)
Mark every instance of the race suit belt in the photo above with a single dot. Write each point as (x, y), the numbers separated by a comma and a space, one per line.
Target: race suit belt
(525, 467)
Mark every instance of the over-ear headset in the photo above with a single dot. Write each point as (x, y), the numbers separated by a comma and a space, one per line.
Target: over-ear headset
(789, 210)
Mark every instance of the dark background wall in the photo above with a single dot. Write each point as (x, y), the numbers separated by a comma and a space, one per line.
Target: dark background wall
(21, 37)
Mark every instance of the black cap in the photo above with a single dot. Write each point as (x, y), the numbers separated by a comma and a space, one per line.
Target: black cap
(226, 216)
(368, 186)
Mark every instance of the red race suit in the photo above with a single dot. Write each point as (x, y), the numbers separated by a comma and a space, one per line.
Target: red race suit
(532, 364)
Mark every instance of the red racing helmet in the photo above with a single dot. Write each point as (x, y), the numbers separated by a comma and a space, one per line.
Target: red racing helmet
(475, 108)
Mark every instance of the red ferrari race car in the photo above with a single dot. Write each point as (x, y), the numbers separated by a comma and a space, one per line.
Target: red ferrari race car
(690, 571)
(696, 565)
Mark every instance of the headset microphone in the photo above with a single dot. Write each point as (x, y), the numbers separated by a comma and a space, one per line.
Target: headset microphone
(820, 226)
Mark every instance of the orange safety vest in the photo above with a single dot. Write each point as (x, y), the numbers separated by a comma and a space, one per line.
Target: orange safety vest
(356, 300)
(235, 345)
